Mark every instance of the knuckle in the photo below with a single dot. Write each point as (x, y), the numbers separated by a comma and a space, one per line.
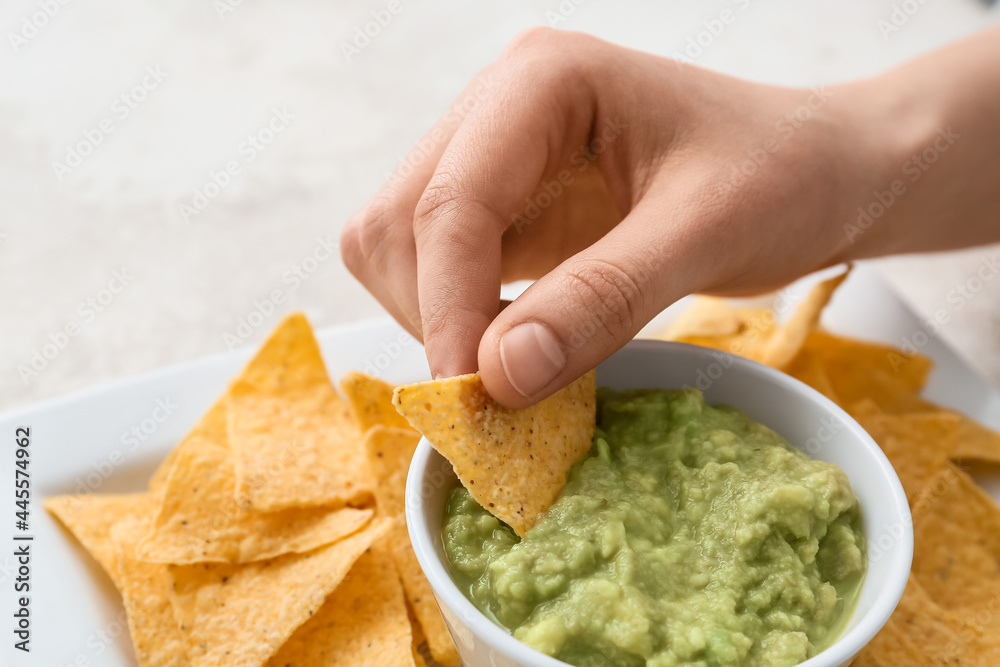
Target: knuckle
(546, 59)
(350, 245)
(441, 195)
(451, 198)
(610, 295)
(531, 39)
(375, 228)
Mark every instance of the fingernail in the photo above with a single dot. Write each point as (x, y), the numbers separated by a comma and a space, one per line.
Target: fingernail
(531, 357)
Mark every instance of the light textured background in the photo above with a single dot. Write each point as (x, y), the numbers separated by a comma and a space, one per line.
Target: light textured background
(61, 240)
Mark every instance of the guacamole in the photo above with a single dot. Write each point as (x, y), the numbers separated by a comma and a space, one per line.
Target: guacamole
(689, 535)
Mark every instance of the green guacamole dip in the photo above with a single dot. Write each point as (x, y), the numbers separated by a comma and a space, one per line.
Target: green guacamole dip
(690, 535)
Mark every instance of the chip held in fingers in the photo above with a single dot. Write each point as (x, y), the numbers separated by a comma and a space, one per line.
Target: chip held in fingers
(514, 462)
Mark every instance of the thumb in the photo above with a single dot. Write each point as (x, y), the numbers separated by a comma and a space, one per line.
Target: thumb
(576, 316)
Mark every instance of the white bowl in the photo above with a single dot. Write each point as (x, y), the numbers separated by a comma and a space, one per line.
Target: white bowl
(806, 418)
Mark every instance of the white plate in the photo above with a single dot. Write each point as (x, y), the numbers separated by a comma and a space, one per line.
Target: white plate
(82, 443)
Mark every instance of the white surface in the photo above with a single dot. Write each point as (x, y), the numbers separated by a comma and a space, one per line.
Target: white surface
(61, 241)
(76, 437)
(794, 410)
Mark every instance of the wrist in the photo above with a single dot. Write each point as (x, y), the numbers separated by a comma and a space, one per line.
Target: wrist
(890, 124)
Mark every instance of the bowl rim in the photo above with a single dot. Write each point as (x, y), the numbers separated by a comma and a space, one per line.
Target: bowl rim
(840, 652)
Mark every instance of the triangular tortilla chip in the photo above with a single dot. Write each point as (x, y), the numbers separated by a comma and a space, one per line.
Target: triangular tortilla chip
(210, 426)
(289, 359)
(199, 521)
(957, 535)
(90, 518)
(917, 445)
(371, 401)
(421, 597)
(922, 633)
(389, 452)
(363, 622)
(864, 409)
(294, 440)
(514, 462)
(859, 370)
(145, 589)
(788, 339)
(808, 367)
(240, 615)
(706, 316)
(976, 442)
(712, 322)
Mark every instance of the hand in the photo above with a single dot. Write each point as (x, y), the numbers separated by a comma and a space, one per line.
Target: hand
(621, 182)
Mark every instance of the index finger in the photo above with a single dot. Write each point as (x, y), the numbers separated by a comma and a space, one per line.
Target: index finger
(494, 161)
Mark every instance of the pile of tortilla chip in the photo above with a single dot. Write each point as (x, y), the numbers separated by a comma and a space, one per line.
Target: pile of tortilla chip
(273, 534)
(950, 611)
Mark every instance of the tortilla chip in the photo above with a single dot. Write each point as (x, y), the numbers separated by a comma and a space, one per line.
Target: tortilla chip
(514, 462)
(389, 452)
(745, 336)
(240, 615)
(419, 638)
(199, 521)
(418, 633)
(917, 445)
(786, 342)
(295, 450)
(90, 518)
(976, 442)
(370, 400)
(859, 370)
(922, 633)
(294, 440)
(145, 589)
(864, 409)
(211, 426)
(707, 316)
(363, 622)
(916, 628)
(957, 537)
(808, 367)
(421, 597)
(757, 324)
(288, 360)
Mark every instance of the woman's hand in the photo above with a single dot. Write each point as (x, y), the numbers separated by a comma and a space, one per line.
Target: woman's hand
(621, 182)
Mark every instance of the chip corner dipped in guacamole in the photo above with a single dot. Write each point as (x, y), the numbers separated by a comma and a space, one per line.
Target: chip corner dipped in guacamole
(689, 535)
